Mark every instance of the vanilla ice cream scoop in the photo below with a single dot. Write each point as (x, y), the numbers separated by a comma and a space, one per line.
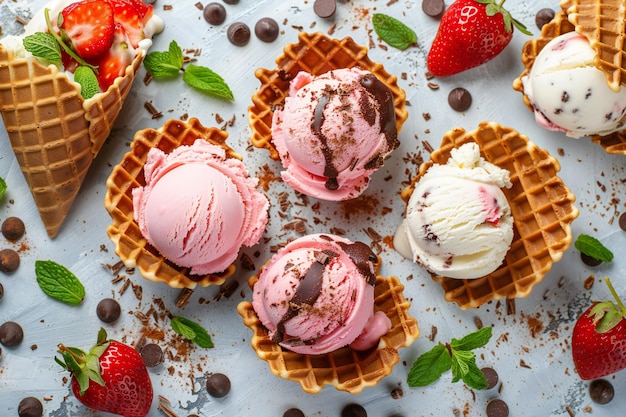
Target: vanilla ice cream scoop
(568, 93)
(458, 222)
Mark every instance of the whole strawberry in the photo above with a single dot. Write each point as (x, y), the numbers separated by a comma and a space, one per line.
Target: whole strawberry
(599, 339)
(471, 32)
(111, 377)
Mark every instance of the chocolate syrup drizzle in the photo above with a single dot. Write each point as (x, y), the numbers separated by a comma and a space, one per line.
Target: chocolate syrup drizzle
(310, 285)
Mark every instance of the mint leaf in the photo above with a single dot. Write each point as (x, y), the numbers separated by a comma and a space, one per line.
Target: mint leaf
(88, 82)
(473, 340)
(58, 282)
(429, 367)
(475, 378)
(165, 64)
(192, 331)
(591, 246)
(3, 187)
(44, 46)
(207, 81)
(393, 31)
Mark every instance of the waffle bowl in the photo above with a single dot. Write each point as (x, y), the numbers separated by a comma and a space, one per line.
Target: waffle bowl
(55, 133)
(130, 245)
(614, 143)
(345, 369)
(316, 54)
(542, 208)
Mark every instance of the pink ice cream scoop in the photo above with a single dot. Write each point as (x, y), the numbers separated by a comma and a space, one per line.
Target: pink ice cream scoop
(316, 295)
(199, 207)
(334, 131)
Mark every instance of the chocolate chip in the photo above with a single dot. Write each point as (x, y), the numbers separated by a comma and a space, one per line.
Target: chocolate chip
(601, 391)
(214, 13)
(325, 8)
(293, 412)
(30, 407)
(589, 260)
(11, 334)
(459, 99)
(108, 310)
(353, 410)
(152, 355)
(491, 376)
(622, 221)
(231, 1)
(543, 16)
(13, 228)
(238, 34)
(433, 8)
(497, 408)
(266, 29)
(1, 291)
(9, 260)
(218, 385)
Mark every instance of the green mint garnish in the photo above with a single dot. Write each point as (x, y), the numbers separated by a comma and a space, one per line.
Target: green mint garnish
(170, 63)
(192, 331)
(44, 46)
(592, 247)
(456, 356)
(393, 31)
(59, 282)
(88, 82)
(3, 187)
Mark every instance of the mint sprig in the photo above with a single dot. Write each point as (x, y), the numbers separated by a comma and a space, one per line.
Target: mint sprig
(170, 63)
(393, 31)
(192, 331)
(456, 356)
(592, 247)
(87, 80)
(3, 187)
(44, 46)
(59, 283)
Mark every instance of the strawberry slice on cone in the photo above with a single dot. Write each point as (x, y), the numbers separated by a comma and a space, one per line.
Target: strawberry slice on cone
(89, 26)
(599, 339)
(111, 377)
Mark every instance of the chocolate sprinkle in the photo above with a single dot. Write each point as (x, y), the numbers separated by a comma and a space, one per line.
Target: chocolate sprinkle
(601, 391)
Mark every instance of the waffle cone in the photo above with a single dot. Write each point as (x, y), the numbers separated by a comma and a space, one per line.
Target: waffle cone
(130, 245)
(614, 143)
(345, 369)
(54, 132)
(316, 54)
(542, 208)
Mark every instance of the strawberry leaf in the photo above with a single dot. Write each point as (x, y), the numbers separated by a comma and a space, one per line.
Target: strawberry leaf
(429, 367)
(393, 31)
(609, 321)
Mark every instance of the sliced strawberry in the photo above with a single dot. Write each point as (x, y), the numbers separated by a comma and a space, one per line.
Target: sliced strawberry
(145, 10)
(89, 26)
(113, 64)
(126, 14)
(69, 63)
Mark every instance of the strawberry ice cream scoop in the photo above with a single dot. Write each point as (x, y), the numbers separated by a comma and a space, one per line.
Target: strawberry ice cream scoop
(316, 295)
(199, 207)
(458, 222)
(334, 131)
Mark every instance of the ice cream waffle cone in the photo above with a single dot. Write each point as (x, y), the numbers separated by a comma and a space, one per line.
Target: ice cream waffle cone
(130, 245)
(54, 132)
(316, 54)
(345, 369)
(542, 208)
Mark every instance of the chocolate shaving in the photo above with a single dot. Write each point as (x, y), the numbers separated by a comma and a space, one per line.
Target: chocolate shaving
(183, 297)
(510, 306)
(152, 110)
(21, 20)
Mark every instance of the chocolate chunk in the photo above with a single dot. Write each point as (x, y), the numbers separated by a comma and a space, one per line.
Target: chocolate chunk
(30, 407)
(622, 221)
(231, 1)
(152, 355)
(492, 377)
(214, 13)
(497, 408)
(325, 8)
(218, 385)
(13, 228)
(9, 260)
(353, 410)
(543, 16)
(108, 310)
(11, 334)
(589, 260)
(293, 412)
(266, 29)
(238, 34)
(433, 8)
(601, 391)
(459, 99)
(1, 291)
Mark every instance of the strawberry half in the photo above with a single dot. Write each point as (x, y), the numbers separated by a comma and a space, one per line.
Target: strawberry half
(126, 14)
(471, 32)
(113, 63)
(599, 339)
(89, 26)
(111, 377)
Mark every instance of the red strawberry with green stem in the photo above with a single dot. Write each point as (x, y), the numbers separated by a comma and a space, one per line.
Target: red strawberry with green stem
(599, 339)
(89, 26)
(111, 377)
(471, 32)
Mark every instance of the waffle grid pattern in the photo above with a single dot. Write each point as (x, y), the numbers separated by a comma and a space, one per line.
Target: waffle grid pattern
(542, 207)
(345, 369)
(316, 54)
